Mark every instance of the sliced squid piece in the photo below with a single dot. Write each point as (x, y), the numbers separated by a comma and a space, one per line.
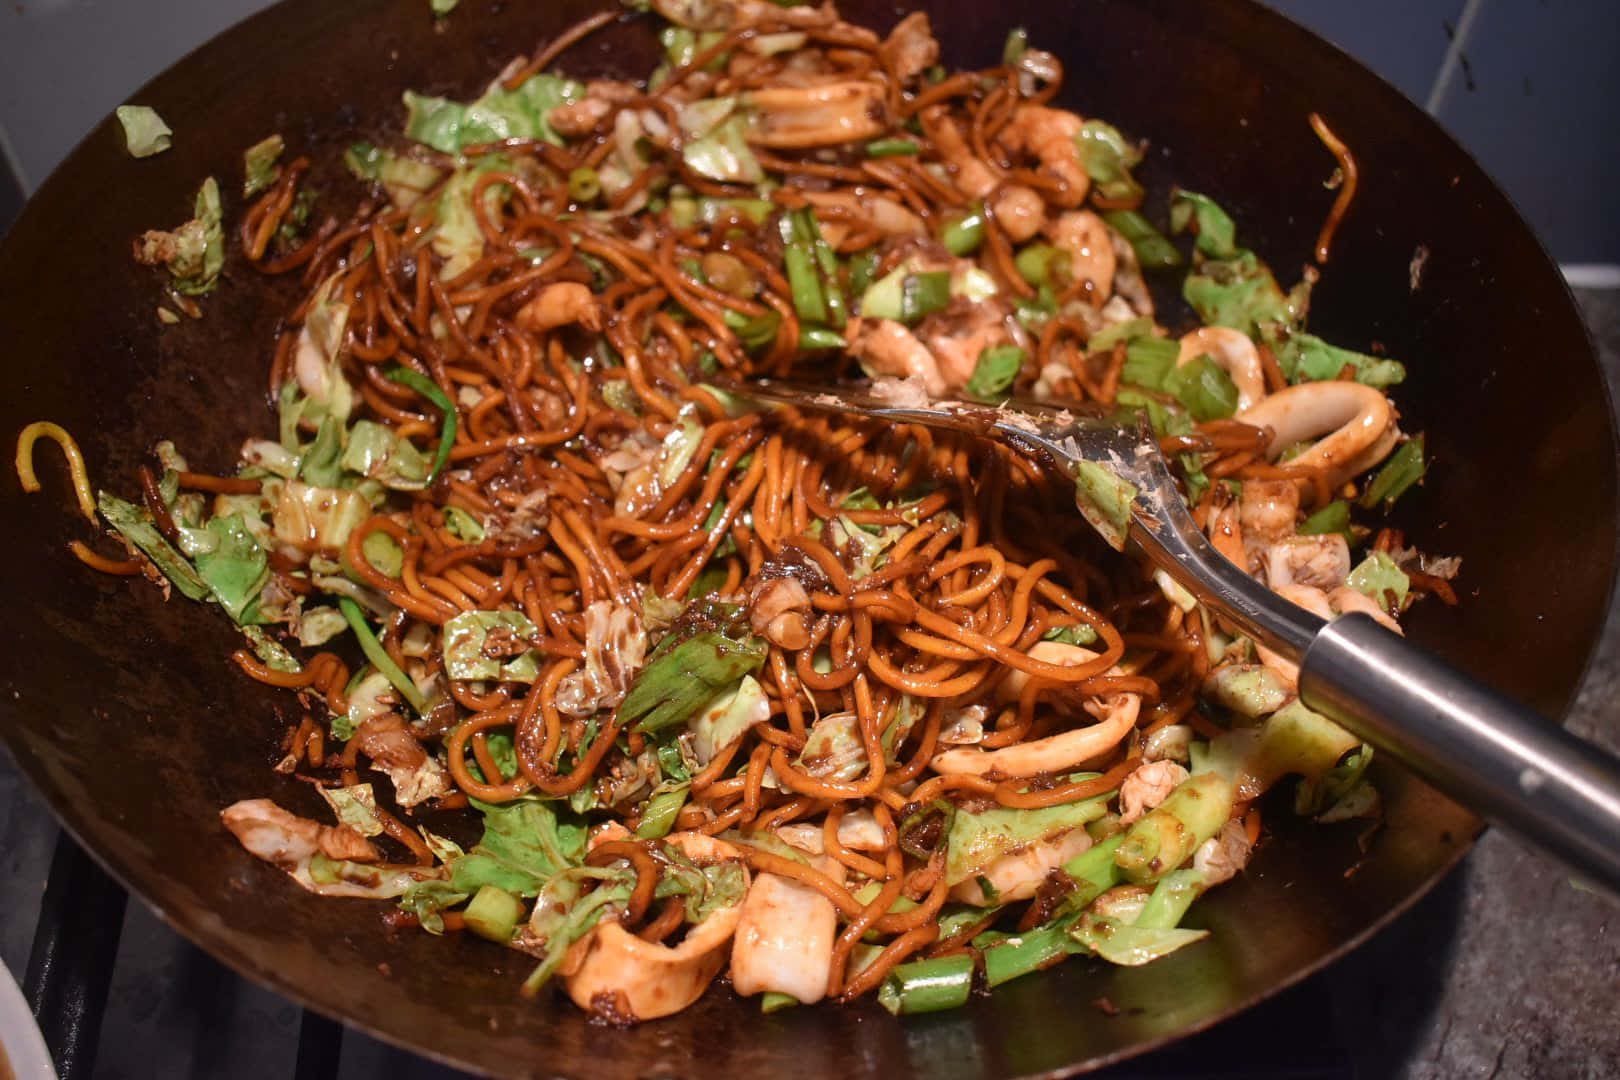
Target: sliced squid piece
(879, 212)
(859, 830)
(1320, 562)
(825, 114)
(1353, 425)
(784, 939)
(621, 976)
(1057, 653)
(1116, 715)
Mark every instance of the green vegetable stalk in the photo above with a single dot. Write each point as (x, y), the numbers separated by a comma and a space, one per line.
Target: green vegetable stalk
(962, 234)
(1203, 387)
(378, 655)
(1168, 835)
(429, 389)
(1129, 945)
(892, 148)
(1025, 953)
(1153, 250)
(928, 985)
(1404, 468)
(494, 914)
(1148, 361)
(145, 133)
(584, 185)
(998, 366)
(1332, 518)
(259, 168)
(1108, 158)
(676, 683)
(809, 303)
(659, 816)
(1171, 898)
(1094, 872)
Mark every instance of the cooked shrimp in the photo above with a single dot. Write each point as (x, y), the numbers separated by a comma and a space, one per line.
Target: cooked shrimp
(1221, 856)
(957, 335)
(1018, 875)
(1084, 237)
(822, 115)
(973, 177)
(561, 304)
(576, 118)
(645, 979)
(1313, 600)
(1234, 353)
(1147, 787)
(1354, 425)
(1048, 135)
(1226, 534)
(885, 347)
(1019, 211)
(1321, 562)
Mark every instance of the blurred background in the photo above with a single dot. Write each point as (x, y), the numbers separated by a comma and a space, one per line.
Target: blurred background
(1472, 982)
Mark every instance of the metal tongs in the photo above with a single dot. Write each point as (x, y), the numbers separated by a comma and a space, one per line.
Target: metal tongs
(1494, 756)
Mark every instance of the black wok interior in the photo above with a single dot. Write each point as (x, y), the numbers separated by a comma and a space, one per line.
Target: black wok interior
(125, 712)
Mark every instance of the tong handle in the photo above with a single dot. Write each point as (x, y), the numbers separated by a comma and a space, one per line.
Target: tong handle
(1496, 757)
(1514, 767)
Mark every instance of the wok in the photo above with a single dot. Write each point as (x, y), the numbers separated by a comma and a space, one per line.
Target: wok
(123, 710)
